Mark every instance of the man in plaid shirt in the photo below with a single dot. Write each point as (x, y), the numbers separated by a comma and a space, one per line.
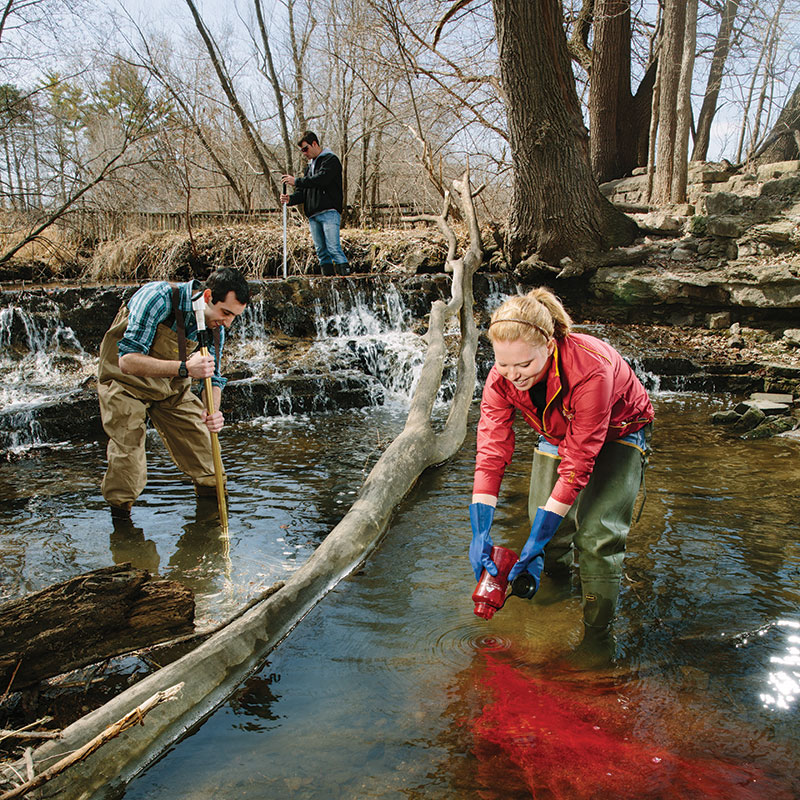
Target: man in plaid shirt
(147, 363)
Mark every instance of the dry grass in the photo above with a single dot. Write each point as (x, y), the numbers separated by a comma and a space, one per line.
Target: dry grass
(257, 250)
(55, 248)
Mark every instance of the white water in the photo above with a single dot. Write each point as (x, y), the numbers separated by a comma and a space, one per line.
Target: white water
(46, 362)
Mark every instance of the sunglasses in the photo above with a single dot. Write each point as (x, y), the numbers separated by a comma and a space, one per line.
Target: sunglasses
(304, 148)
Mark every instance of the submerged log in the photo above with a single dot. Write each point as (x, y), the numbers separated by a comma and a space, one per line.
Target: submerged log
(87, 619)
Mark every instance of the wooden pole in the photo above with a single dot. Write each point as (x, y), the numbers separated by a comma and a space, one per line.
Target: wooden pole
(217, 455)
(199, 307)
(285, 210)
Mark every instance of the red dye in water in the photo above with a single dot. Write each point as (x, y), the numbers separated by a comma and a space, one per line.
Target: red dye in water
(565, 742)
(490, 593)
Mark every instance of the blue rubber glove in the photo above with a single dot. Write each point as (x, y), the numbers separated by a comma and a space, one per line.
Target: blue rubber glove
(480, 551)
(531, 559)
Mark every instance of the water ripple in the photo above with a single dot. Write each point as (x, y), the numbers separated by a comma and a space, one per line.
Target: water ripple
(467, 639)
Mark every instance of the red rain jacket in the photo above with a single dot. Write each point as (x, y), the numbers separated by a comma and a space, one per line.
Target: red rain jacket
(593, 397)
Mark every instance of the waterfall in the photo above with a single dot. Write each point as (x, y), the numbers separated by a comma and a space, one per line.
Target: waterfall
(371, 335)
(40, 356)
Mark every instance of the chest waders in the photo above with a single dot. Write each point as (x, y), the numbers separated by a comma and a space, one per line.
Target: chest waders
(595, 530)
(127, 400)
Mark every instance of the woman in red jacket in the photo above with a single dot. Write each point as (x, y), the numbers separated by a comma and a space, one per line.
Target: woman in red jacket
(593, 417)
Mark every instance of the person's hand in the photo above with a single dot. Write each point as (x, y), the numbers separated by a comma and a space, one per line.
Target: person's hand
(200, 366)
(284, 198)
(288, 179)
(531, 559)
(480, 550)
(214, 422)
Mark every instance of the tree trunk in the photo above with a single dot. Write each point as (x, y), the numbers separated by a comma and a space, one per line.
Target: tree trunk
(670, 60)
(557, 208)
(722, 47)
(258, 148)
(607, 85)
(782, 142)
(88, 619)
(683, 121)
(272, 76)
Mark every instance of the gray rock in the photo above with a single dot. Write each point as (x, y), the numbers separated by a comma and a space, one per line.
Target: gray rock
(722, 203)
(771, 427)
(791, 336)
(773, 397)
(766, 407)
(725, 417)
(752, 418)
(728, 227)
(718, 321)
(680, 254)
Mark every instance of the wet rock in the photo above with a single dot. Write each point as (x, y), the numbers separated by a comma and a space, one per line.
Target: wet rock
(752, 418)
(767, 407)
(772, 426)
(725, 417)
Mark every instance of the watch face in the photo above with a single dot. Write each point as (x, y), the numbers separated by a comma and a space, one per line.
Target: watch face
(182, 371)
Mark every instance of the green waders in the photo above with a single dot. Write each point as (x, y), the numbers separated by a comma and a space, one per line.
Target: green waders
(595, 529)
(125, 402)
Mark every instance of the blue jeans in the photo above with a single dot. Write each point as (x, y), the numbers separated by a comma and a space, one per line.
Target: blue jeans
(325, 233)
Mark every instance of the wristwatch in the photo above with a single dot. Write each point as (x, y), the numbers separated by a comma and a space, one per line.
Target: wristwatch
(182, 371)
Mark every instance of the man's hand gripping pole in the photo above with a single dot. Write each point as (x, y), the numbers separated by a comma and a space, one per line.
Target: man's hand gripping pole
(199, 306)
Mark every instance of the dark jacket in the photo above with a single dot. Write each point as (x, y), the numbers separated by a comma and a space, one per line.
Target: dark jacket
(322, 190)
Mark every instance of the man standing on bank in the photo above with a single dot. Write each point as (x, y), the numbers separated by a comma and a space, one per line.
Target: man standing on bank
(147, 363)
(320, 192)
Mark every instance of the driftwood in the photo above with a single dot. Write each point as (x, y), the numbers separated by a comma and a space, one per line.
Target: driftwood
(111, 732)
(87, 619)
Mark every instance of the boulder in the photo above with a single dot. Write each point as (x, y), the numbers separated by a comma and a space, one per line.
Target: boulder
(752, 418)
(772, 426)
(766, 407)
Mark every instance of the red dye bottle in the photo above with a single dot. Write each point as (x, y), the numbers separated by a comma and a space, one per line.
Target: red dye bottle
(490, 593)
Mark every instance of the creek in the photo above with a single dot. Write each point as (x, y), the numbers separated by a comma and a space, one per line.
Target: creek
(391, 687)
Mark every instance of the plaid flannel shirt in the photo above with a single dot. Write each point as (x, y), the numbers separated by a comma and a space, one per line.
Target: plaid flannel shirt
(152, 305)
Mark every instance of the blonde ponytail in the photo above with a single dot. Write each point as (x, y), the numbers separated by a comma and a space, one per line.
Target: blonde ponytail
(535, 317)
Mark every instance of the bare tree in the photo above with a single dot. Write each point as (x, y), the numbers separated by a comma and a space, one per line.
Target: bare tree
(783, 142)
(683, 114)
(619, 121)
(557, 208)
(722, 47)
(260, 151)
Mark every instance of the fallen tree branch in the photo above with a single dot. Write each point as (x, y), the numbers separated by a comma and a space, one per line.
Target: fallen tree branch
(111, 732)
(25, 733)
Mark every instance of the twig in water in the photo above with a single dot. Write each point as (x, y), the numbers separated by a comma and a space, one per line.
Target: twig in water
(111, 732)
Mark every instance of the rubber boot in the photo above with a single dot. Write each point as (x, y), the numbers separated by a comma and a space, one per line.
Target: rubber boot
(206, 491)
(122, 512)
(599, 601)
(558, 555)
(327, 268)
(342, 269)
(604, 510)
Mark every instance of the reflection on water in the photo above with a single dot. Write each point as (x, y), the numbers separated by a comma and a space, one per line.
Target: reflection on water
(393, 688)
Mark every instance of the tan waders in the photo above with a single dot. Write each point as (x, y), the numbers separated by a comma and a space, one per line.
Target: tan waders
(594, 531)
(125, 402)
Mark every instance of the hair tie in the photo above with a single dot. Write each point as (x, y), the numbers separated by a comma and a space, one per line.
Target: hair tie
(541, 330)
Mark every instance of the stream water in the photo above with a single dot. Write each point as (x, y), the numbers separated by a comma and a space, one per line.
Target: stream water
(392, 688)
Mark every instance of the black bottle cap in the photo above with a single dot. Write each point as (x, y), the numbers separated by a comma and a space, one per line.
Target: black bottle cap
(524, 586)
